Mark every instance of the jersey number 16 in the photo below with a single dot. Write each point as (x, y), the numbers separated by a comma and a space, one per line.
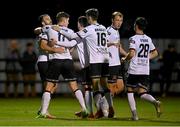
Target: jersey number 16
(101, 39)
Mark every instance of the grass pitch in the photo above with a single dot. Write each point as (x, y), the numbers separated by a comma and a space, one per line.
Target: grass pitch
(22, 112)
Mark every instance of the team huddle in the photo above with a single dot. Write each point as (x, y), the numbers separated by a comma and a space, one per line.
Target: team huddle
(99, 50)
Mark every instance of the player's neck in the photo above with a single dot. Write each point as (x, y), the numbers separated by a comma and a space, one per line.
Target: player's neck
(114, 27)
(139, 32)
(61, 24)
(94, 22)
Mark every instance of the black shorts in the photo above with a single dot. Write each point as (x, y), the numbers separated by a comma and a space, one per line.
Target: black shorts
(42, 68)
(115, 73)
(58, 67)
(85, 78)
(138, 81)
(98, 70)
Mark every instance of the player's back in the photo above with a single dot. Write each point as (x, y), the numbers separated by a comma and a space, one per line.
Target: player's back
(52, 34)
(101, 43)
(143, 45)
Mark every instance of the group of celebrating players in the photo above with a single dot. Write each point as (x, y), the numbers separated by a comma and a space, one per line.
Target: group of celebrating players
(99, 50)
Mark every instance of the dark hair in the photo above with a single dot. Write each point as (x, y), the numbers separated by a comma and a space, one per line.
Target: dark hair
(93, 12)
(141, 22)
(40, 18)
(61, 15)
(116, 13)
(83, 21)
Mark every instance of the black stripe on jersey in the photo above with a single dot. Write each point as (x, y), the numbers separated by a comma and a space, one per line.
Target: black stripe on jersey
(132, 49)
(153, 50)
(43, 39)
(79, 35)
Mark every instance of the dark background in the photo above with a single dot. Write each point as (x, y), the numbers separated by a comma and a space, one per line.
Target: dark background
(19, 18)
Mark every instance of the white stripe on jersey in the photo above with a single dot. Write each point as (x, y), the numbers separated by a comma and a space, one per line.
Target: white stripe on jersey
(52, 34)
(42, 55)
(114, 55)
(139, 64)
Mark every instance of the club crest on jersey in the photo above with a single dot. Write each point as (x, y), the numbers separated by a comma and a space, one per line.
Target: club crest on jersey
(131, 41)
(109, 33)
(47, 27)
(85, 31)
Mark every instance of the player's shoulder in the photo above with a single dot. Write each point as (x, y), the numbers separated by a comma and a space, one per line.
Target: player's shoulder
(88, 28)
(101, 26)
(146, 36)
(46, 27)
(67, 29)
(134, 37)
(110, 30)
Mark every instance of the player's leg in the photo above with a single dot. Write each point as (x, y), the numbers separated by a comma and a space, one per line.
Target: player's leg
(108, 96)
(88, 94)
(107, 93)
(52, 78)
(68, 73)
(119, 86)
(131, 84)
(46, 98)
(88, 99)
(143, 92)
(95, 74)
(78, 94)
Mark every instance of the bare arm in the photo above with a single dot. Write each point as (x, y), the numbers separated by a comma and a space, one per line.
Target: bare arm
(129, 55)
(122, 51)
(70, 36)
(153, 54)
(45, 47)
(116, 43)
(67, 44)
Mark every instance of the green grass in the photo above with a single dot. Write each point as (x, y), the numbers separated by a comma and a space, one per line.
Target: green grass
(22, 112)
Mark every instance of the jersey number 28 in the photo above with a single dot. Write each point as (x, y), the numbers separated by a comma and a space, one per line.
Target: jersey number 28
(144, 50)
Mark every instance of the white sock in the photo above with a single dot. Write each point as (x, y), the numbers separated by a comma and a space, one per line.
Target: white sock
(97, 99)
(80, 98)
(148, 97)
(104, 106)
(45, 102)
(131, 101)
(109, 99)
(88, 100)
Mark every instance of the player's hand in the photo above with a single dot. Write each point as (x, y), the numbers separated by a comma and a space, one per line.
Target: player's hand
(123, 59)
(59, 49)
(117, 45)
(56, 27)
(52, 42)
(38, 30)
